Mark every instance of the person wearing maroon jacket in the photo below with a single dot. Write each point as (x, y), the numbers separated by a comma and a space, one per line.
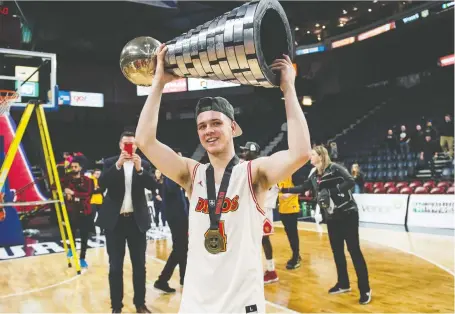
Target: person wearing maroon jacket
(78, 190)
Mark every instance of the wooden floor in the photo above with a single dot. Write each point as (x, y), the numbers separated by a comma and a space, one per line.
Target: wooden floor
(409, 272)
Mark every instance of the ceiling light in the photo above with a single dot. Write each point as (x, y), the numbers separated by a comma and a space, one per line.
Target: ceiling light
(345, 12)
(374, 1)
(295, 43)
(296, 28)
(319, 38)
(355, 8)
(317, 25)
(323, 26)
(307, 32)
(341, 24)
(369, 10)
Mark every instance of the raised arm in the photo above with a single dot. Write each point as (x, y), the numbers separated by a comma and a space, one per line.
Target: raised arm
(281, 165)
(178, 168)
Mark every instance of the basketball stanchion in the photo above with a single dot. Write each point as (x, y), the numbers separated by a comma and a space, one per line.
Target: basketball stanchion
(6, 99)
(56, 193)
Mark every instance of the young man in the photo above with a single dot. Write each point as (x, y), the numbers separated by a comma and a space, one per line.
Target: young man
(224, 266)
(251, 152)
(97, 197)
(78, 191)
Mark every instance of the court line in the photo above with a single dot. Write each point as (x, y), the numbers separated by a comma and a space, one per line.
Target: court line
(386, 245)
(280, 307)
(42, 288)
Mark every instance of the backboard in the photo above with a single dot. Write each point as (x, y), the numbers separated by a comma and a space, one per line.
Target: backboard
(16, 66)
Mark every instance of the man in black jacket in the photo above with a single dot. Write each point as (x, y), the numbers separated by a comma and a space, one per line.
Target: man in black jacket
(125, 217)
(176, 211)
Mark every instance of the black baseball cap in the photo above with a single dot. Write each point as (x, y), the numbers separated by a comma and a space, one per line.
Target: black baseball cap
(219, 104)
(252, 147)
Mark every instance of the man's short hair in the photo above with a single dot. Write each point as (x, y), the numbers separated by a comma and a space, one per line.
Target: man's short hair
(127, 134)
(79, 160)
(96, 169)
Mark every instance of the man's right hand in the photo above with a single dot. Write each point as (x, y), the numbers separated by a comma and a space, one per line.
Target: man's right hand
(124, 156)
(161, 76)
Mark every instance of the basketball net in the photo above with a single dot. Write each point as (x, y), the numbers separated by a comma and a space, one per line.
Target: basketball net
(7, 97)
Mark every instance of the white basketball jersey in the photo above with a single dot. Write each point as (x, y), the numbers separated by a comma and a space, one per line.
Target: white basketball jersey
(230, 281)
(271, 196)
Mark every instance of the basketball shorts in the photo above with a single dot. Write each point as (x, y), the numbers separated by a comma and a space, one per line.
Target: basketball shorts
(268, 222)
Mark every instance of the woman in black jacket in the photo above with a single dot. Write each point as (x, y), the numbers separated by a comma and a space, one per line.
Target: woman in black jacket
(332, 184)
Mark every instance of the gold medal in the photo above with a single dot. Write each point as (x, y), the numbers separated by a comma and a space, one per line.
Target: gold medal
(214, 242)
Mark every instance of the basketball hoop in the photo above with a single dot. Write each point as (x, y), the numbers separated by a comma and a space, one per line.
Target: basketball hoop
(7, 97)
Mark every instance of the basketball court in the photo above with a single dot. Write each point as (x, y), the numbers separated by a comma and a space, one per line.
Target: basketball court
(409, 272)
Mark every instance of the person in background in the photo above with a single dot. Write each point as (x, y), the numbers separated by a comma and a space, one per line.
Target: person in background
(404, 140)
(332, 185)
(447, 132)
(417, 139)
(391, 142)
(158, 199)
(174, 206)
(359, 178)
(97, 196)
(333, 150)
(67, 158)
(250, 152)
(78, 190)
(125, 218)
(429, 151)
(430, 130)
(288, 207)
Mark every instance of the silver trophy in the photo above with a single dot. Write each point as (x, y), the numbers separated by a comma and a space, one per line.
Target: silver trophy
(238, 46)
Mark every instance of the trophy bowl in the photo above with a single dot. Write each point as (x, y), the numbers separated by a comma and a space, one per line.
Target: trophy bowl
(138, 60)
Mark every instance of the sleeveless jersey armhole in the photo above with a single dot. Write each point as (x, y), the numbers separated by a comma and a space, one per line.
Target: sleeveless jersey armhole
(250, 184)
(193, 176)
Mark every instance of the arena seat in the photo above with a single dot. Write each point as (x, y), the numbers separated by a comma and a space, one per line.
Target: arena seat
(429, 185)
(392, 190)
(443, 184)
(415, 184)
(379, 190)
(389, 185)
(421, 190)
(406, 190)
(391, 165)
(391, 175)
(368, 187)
(381, 175)
(450, 190)
(400, 185)
(402, 174)
(437, 190)
(378, 185)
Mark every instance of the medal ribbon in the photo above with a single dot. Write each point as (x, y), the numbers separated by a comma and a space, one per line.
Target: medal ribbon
(215, 203)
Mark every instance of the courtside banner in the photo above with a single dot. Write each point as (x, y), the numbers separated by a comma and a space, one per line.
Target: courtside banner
(434, 211)
(382, 208)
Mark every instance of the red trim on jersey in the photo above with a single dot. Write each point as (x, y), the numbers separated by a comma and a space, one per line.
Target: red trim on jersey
(250, 183)
(194, 174)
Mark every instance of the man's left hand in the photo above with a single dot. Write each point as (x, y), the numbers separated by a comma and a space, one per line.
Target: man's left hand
(287, 72)
(137, 162)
